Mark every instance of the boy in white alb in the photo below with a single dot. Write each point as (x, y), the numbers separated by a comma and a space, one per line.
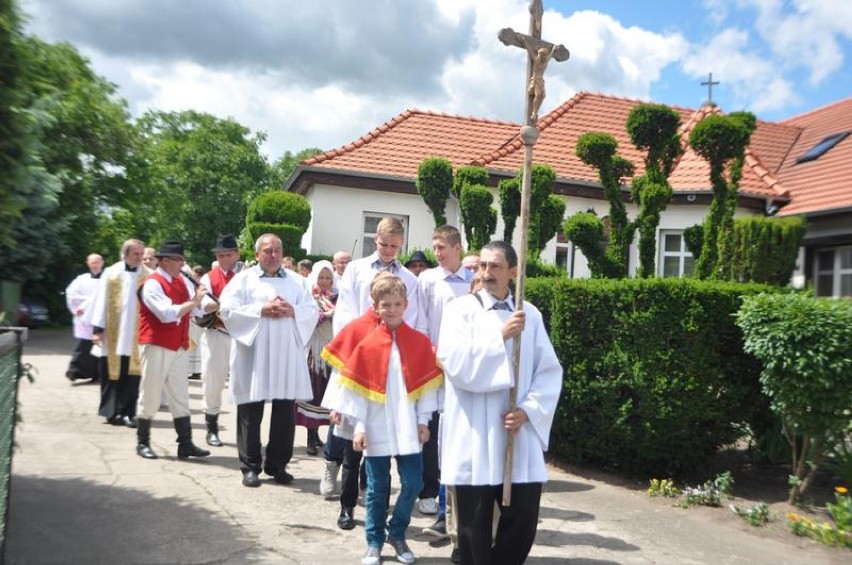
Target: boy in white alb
(389, 391)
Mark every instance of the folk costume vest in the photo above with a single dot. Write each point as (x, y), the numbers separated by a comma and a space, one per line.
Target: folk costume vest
(152, 331)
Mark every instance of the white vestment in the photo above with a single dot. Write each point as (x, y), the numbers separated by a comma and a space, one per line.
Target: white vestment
(354, 299)
(128, 307)
(79, 296)
(390, 426)
(435, 288)
(478, 375)
(267, 357)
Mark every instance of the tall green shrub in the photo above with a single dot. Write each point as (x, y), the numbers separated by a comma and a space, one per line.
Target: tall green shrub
(765, 249)
(805, 345)
(653, 127)
(509, 194)
(655, 376)
(286, 214)
(474, 219)
(599, 150)
(434, 183)
(721, 141)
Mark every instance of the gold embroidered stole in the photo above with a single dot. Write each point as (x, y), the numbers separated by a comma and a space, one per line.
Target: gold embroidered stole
(114, 290)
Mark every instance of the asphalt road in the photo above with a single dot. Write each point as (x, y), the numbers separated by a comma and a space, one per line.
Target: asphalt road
(81, 495)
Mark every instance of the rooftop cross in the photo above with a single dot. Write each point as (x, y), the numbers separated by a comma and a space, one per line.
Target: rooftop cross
(709, 84)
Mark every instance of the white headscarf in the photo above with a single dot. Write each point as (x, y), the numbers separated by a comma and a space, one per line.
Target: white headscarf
(317, 269)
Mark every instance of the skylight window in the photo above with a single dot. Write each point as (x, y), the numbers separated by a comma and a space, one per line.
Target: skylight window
(822, 147)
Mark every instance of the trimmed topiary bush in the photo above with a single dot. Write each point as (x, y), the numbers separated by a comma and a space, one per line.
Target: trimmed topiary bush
(656, 379)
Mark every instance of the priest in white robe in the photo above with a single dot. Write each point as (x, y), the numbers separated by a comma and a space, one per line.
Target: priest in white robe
(475, 350)
(78, 298)
(270, 315)
(115, 321)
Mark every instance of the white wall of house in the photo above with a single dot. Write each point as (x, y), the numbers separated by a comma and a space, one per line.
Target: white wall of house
(338, 222)
(338, 216)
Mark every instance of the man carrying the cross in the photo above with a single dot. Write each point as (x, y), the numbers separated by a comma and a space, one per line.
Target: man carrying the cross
(475, 350)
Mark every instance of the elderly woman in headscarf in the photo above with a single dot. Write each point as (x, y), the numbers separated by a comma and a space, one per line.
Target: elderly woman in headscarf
(310, 414)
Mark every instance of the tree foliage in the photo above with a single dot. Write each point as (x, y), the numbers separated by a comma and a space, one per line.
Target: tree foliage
(12, 128)
(509, 194)
(473, 219)
(434, 183)
(480, 218)
(764, 249)
(546, 210)
(805, 345)
(654, 128)
(205, 171)
(721, 141)
(598, 150)
(281, 169)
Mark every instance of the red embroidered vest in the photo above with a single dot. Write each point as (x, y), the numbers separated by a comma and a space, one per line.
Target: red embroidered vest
(152, 331)
(218, 280)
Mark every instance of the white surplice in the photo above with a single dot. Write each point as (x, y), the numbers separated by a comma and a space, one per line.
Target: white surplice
(478, 375)
(267, 355)
(128, 307)
(79, 296)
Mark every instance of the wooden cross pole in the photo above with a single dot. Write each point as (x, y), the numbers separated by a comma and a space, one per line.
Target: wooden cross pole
(539, 54)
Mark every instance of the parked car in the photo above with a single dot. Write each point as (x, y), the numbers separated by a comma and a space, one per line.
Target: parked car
(32, 314)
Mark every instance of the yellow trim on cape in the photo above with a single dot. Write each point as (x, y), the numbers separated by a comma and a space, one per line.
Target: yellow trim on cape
(432, 384)
(361, 390)
(332, 359)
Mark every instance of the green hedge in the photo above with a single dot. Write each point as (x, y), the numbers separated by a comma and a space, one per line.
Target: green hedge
(655, 378)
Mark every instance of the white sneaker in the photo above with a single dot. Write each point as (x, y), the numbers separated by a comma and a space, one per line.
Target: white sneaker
(328, 483)
(403, 553)
(427, 506)
(372, 557)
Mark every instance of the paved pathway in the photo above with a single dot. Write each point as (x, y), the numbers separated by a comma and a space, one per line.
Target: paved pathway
(80, 495)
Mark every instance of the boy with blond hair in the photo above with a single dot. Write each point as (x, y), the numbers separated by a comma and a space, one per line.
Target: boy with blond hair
(389, 390)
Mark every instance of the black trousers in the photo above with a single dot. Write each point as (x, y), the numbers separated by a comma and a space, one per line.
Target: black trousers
(431, 469)
(83, 364)
(118, 398)
(282, 429)
(349, 475)
(515, 530)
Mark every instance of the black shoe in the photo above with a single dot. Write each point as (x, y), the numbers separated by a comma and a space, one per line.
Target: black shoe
(454, 556)
(116, 420)
(189, 449)
(128, 421)
(250, 479)
(195, 377)
(145, 451)
(213, 439)
(346, 520)
(311, 449)
(282, 477)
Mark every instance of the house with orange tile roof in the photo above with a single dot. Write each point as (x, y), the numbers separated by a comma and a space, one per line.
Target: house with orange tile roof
(352, 187)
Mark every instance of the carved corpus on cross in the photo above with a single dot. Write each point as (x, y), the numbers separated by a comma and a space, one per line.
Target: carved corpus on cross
(539, 53)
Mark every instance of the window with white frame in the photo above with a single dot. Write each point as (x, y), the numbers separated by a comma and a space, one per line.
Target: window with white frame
(675, 260)
(371, 224)
(833, 272)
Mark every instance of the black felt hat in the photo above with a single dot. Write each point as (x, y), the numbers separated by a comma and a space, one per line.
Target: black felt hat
(418, 256)
(225, 242)
(172, 248)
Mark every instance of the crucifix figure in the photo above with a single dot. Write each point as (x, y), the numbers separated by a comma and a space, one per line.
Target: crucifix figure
(539, 54)
(709, 84)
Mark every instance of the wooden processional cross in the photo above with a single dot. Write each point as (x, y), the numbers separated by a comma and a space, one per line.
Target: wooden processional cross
(539, 53)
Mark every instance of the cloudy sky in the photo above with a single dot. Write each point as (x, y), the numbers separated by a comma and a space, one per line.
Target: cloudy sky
(322, 73)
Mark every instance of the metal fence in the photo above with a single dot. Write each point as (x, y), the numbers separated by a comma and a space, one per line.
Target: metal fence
(11, 342)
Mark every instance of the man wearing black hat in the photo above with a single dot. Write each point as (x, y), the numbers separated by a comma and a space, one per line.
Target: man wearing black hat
(166, 300)
(418, 262)
(215, 341)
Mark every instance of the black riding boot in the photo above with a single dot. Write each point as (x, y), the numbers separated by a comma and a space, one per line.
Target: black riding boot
(143, 439)
(184, 439)
(213, 430)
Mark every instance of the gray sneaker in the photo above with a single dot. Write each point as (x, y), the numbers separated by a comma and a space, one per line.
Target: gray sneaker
(403, 553)
(372, 557)
(437, 531)
(328, 483)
